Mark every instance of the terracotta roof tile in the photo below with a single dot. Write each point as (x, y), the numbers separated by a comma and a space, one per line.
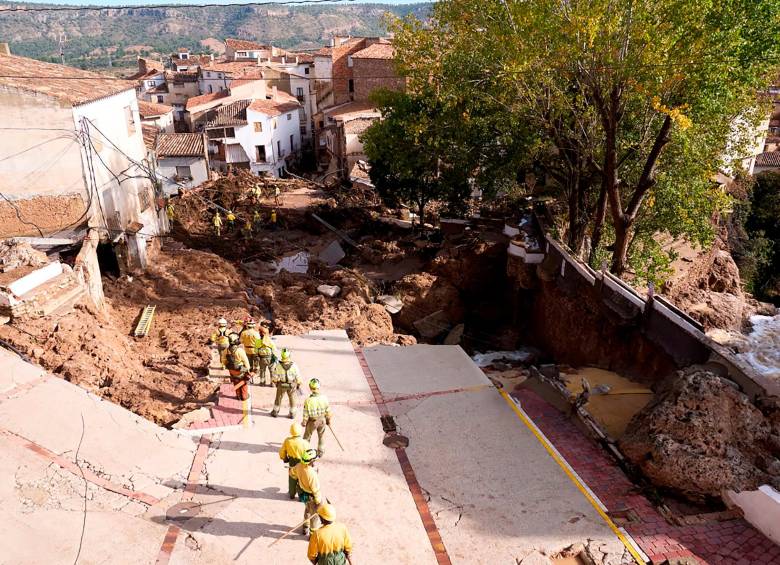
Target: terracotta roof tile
(275, 107)
(180, 145)
(205, 99)
(151, 109)
(359, 125)
(233, 114)
(228, 66)
(244, 45)
(72, 86)
(376, 51)
(149, 134)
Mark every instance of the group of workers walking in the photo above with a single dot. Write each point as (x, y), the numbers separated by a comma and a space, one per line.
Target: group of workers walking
(251, 355)
(250, 225)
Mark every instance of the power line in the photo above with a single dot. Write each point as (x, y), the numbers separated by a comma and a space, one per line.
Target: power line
(167, 6)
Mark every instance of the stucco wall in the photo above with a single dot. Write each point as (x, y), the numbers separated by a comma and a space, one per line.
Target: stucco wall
(248, 139)
(198, 168)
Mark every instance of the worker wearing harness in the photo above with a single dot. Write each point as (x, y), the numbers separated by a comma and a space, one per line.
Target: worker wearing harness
(291, 452)
(331, 544)
(309, 489)
(287, 379)
(316, 415)
(221, 340)
(238, 366)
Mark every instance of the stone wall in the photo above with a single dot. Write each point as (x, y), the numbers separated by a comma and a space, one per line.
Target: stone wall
(373, 74)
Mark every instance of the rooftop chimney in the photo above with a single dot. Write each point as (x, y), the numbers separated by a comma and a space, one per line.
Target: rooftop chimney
(5, 49)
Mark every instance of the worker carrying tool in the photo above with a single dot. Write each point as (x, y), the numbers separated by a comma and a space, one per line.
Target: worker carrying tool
(217, 221)
(265, 350)
(287, 379)
(238, 365)
(169, 211)
(221, 340)
(249, 337)
(231, 219)
(330, 544)
(309, 489)
(316, 415)
(291, 452)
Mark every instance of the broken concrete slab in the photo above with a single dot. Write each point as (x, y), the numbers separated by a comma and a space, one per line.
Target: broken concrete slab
(331, 291)
(535, 558)
(202, 414)
(391, 303)
(433, 324)
(332, 254)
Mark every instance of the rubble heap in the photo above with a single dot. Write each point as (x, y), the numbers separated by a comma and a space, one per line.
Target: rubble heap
(700, 436)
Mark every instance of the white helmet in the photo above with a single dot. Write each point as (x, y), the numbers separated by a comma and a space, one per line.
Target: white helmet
(223, 322)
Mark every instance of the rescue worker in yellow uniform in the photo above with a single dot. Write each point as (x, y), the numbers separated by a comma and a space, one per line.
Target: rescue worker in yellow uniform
(287, 379)
(291, 452)
(316, 415)
(265, 350)
(330, 544)
(217, 221)
(221, 340)
(249, 337)
(309, 491)
(231, 220)
(238, 365)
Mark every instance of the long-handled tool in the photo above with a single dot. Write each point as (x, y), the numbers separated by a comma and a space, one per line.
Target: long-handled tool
(336, 438)
(290, 531)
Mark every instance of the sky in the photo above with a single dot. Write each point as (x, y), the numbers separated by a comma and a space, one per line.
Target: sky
(147, 2)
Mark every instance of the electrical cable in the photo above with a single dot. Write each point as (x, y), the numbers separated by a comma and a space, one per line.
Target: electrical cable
(86, 491)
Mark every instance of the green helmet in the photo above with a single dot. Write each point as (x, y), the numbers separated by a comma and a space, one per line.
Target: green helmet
(285, 355)
(309, 455)
(314, 384)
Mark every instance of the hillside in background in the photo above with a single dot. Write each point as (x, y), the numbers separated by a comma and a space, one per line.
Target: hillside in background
(91, 37)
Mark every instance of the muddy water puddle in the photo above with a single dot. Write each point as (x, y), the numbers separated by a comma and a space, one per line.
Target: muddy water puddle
(614, 399)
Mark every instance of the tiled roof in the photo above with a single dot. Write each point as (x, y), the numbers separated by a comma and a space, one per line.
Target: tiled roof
(205, 99)
(150, 109)
(302, 57)
(159, 89)
(768, 159)
(359, 125)
(244, 45)
(376, 51)
(275, 107)
(228, 66)
(180, 145)
(229, 115)
(149, 134)
(182, 76)
(72, 86)
(352, 111)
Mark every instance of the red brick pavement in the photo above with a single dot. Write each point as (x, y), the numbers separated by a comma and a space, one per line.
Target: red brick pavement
(732, 541)
(229, 411)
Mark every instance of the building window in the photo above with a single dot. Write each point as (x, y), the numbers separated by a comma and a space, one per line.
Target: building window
(306, 71)
(144, 198)
(299, 92)
(351, 85)
(150, 83)
(183, 172)
(184, 56)
(258, 127)
(260, 153)
(292, 143)
(230, 132)
(278, 148)
(159, 99)
(289, 117)
(208, 74)
(349, 61)
(211, 89)
(130, 120)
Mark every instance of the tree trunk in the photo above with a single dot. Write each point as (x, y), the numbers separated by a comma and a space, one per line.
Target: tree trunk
(620, 251)
(598, 225)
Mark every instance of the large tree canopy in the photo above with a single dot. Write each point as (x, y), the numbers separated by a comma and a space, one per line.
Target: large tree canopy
(629, 106)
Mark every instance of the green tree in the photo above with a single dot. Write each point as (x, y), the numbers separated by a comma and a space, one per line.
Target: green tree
(630, 101)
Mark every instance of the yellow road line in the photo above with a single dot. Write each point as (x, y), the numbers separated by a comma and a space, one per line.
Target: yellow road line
(245, 408)
(563, 465)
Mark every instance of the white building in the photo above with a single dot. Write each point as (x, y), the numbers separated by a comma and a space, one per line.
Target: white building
(262, 135)
(243, 50)
(156, 115)
(74, 157)
(219, 76)
(182, 160)
(150, 79)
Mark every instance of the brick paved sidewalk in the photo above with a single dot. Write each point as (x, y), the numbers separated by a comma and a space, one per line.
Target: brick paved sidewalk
(732, 541)
(229, 411)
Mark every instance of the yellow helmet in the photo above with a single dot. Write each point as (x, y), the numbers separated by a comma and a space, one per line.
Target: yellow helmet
(314, 384)
(309, 455)
(327, 512)
(285, 355)
(296, 429)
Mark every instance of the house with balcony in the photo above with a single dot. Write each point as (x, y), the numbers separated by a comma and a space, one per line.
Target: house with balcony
(293, 74)
(261, 135)
(149, 77)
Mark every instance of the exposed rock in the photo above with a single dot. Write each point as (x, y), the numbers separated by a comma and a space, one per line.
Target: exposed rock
(391, 303)
(455, 335)
(14, 254)
(332, 254)
(432, 325)
(331, 291)
(423, 294)
(700, 436)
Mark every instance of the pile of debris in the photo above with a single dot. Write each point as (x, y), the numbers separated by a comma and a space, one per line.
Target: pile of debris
(700, 436)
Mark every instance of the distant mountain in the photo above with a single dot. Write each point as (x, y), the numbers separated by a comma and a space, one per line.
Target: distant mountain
(98, 39)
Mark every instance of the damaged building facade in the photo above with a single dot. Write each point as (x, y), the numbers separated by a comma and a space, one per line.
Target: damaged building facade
(74, 159)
